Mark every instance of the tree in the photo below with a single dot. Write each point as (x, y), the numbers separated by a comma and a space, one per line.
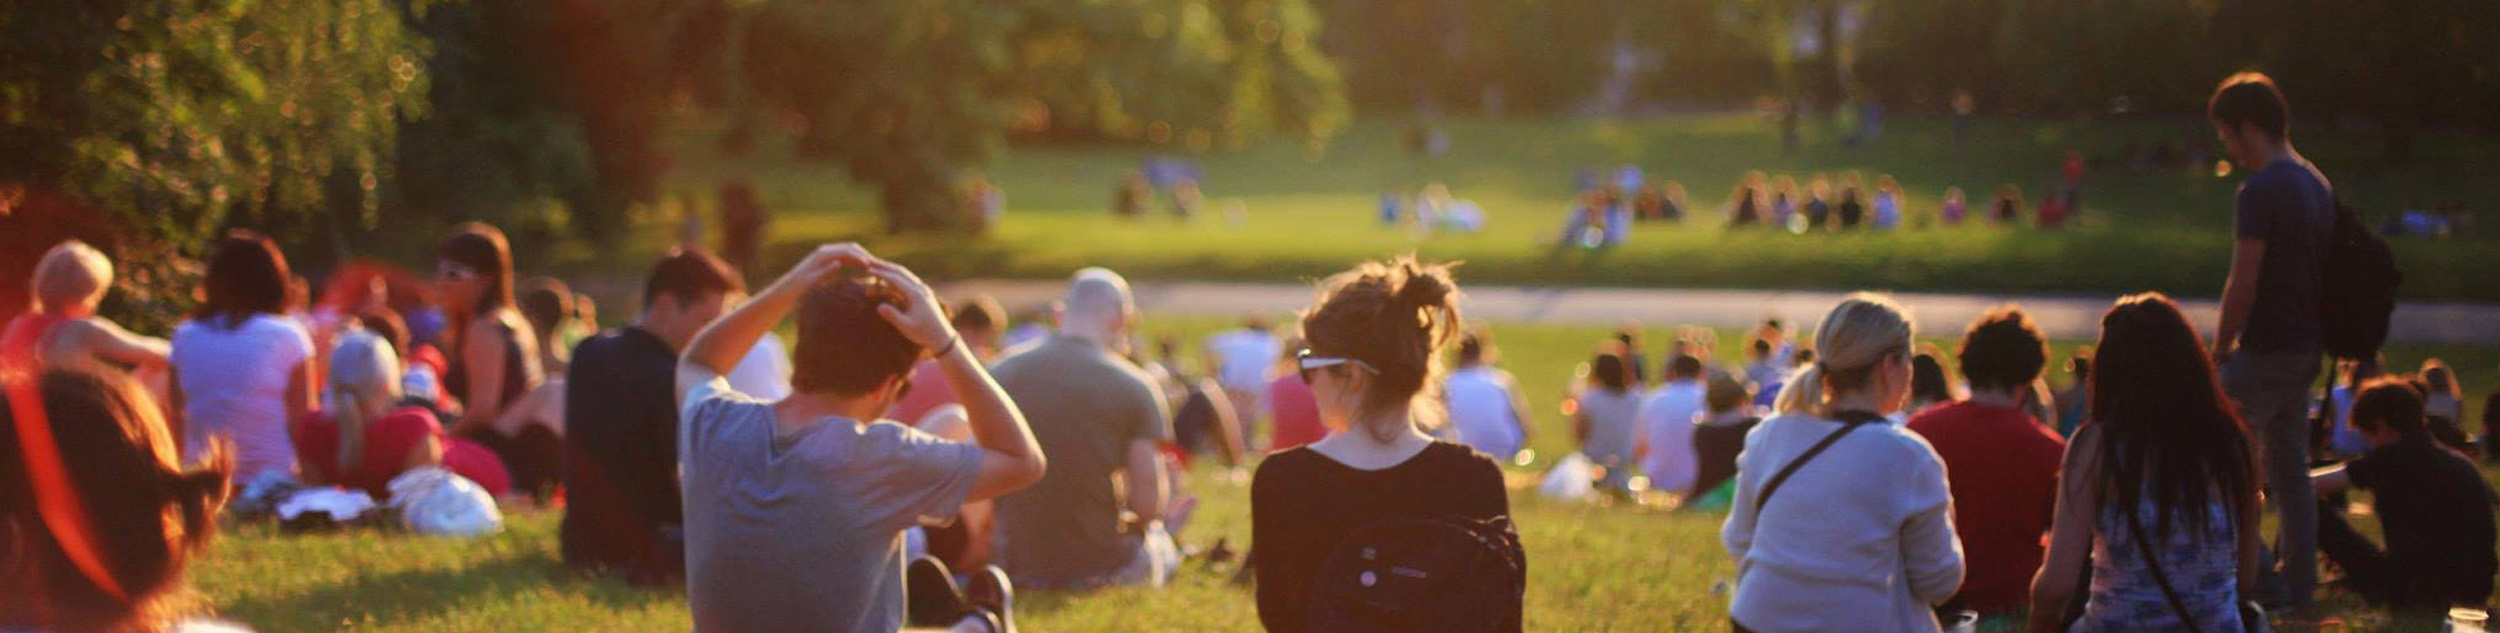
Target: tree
(909, 93)
(180, 116)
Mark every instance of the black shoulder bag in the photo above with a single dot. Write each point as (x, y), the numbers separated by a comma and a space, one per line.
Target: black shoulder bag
(1849, 421)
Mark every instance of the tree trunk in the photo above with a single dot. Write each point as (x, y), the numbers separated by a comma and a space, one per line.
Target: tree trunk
(923, 200)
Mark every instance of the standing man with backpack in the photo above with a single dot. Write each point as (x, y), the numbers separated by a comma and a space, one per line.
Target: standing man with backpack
(2272, 335)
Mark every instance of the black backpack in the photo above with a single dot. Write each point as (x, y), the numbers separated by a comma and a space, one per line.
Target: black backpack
(2359, 290)
(1448, 574)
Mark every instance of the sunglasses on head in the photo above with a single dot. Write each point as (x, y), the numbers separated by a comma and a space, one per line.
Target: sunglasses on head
(1308, 364)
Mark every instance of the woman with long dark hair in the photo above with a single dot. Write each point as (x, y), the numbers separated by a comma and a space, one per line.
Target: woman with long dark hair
(495, 356)
(2159, 488)
(242, 370)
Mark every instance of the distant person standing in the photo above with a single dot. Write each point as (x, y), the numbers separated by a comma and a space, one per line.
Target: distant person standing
(743, 222)
(1239, 359)
(2269, 343)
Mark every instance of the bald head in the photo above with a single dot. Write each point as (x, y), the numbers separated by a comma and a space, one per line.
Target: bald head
(1097, 305)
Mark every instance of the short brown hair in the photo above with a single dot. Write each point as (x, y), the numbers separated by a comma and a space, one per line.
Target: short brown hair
(977, 312)
(688, 273)
(2390, 402)
(2250, 97)
(2002, 350)
(246, 276)
(845, 348)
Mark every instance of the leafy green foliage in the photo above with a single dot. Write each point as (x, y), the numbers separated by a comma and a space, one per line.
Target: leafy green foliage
(909, 95)
(182, 115)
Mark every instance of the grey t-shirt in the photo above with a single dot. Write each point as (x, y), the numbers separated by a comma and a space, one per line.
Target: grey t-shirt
(1085, 406)
(1614, 426)
(802, 530)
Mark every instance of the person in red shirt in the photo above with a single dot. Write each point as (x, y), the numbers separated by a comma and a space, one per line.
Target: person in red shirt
(1293, 407)
(2002, 463)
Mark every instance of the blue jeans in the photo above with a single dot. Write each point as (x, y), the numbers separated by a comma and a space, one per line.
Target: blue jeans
(2272, 389)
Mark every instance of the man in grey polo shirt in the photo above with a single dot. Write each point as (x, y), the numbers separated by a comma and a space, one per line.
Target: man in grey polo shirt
(795, 509)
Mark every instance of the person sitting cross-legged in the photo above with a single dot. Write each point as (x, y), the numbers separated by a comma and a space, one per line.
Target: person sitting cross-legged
(795, 509)
(2434, 505)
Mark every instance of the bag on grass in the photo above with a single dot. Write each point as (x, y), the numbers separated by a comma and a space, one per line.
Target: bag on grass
(435, 501)
(1440, 575)
(1570, 480)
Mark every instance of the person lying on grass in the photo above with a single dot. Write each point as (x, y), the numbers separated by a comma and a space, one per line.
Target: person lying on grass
(795, 509)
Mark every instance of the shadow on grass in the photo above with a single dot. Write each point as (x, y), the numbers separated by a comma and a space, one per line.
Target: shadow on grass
(419, 594)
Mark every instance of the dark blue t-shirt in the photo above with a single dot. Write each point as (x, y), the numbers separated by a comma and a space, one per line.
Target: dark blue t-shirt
(2290, 206)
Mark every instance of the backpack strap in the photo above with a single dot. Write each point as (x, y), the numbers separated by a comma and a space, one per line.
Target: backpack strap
(1849, 421)
(2160, 579)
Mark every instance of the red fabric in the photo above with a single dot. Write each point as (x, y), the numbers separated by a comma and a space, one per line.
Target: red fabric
(1295, 411)
(25, 333)
(929, 390)
(387, 443)
(2003, 470)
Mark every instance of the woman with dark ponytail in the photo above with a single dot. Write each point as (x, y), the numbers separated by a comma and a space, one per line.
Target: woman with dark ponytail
(1373, 336)
(97, 517)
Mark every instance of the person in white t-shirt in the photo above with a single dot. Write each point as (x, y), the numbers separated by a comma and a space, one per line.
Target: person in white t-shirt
(1483, 401)
(1239, 360)
(243, 371)
(1667, 418)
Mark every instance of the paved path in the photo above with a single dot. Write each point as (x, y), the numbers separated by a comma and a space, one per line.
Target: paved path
(2066, 317)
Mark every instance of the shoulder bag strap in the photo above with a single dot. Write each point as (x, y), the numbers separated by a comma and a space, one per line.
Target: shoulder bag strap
(1849, 421)
(2163, 580)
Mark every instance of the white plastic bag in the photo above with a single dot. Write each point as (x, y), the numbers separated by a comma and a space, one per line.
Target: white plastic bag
(435, 501)
(342, 505)
(1570, 480)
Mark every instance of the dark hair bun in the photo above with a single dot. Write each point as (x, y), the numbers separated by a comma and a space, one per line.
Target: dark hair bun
(1423, 285)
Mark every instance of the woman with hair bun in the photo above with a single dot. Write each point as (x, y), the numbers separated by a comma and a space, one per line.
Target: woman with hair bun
(1373, 335)
(1859, 536)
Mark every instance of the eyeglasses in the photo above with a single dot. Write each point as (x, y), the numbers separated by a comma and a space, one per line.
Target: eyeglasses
(452, 271)
(1308, 364)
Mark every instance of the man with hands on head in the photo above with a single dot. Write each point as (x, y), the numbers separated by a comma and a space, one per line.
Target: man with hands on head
(795, 509)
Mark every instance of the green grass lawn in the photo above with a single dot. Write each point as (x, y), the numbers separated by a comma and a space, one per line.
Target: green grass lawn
(1310, 212)
(1593, 568)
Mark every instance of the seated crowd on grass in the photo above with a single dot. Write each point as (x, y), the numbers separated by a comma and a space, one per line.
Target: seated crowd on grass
(894, 467)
